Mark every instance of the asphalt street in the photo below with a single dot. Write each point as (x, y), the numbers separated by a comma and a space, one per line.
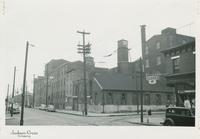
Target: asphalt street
(37, 117)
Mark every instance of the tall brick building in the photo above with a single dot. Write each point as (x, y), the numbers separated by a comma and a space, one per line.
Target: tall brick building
(154, 60)
(180, 69)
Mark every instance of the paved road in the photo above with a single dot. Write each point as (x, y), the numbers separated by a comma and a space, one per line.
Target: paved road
(38, 117)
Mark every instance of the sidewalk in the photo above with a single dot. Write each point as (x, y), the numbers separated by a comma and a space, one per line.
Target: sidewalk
(90, 114)
(154, 120)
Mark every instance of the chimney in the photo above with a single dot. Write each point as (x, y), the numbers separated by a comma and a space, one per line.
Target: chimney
(143, 38)
(122, 56)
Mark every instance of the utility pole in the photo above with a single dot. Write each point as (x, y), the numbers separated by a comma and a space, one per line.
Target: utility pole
(33, 90)
(13, 91)
(47, 78)
(7, 103)
(24, 83)
(26, 100)
(141, 88)
(84, 49)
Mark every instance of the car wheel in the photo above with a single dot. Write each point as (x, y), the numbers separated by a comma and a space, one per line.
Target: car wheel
(169, 123)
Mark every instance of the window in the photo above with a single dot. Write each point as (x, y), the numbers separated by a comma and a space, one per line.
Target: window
(147, 99)
(147, 63)
(158, 60)
(158, 45)
(123, 99)
(169, 99)
(176, 65)
(146, 50)
(134, 99)
(110, 98)
(170, 40)
(158, 99)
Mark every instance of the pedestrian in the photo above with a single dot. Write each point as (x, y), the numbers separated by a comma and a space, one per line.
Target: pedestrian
(82, 109)
(148, 114)
(187, 103)
(193, 103)
(168, 103)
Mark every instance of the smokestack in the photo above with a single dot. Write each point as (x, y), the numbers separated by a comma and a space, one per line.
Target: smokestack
(122, 56)
(143, 39)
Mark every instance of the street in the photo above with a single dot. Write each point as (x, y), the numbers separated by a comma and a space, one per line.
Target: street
(38, 117)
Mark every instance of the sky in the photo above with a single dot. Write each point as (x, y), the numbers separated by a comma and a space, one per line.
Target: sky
(51, 26)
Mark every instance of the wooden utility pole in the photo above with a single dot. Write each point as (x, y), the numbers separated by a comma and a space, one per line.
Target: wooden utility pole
(84, 49)
(141, 88)
(7, 102)
(47, 78)
(33, 90)
(24, 85)
(13, 91)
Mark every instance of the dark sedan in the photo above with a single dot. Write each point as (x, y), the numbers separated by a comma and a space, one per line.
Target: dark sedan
(179, 116)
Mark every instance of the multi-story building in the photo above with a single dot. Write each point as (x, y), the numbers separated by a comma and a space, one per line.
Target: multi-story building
(156, 63)
(39, 90)
(63, 80)
(153, 59)
(180, 68)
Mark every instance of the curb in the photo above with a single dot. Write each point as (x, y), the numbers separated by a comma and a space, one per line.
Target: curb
(147, 124)
(109, 115)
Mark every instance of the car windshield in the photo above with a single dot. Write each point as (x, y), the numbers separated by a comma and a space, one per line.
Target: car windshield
(50, 106)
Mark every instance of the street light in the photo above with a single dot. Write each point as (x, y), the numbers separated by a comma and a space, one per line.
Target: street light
(24, 83)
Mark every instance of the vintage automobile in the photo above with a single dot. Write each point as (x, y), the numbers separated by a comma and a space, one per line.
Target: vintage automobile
(43, 107)
(16, 109)
(179, 116)
(51, 108)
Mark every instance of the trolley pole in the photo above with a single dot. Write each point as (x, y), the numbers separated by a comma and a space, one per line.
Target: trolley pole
(84, 49)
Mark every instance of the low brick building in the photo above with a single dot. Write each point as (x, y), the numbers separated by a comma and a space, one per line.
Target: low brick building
(114, 92)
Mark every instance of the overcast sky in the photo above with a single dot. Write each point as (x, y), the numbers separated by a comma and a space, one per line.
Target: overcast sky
(51, 26)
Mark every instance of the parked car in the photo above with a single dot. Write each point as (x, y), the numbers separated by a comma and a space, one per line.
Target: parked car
(179, 116)
(16, 109)
(51, 108)
(43, 107)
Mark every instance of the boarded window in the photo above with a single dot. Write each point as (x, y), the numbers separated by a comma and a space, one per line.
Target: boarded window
(147, 99)
(123, 99)
(110, 98)
(158, 99)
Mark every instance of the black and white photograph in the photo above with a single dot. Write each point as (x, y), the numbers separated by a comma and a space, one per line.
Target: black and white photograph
(81, 64)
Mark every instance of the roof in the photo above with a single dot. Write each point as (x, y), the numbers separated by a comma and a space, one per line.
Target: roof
(114, 81)
(120, 82)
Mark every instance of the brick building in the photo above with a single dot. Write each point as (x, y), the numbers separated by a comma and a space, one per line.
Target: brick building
(114, 92)
(64, 78)
(40, 87)
(180, 68)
